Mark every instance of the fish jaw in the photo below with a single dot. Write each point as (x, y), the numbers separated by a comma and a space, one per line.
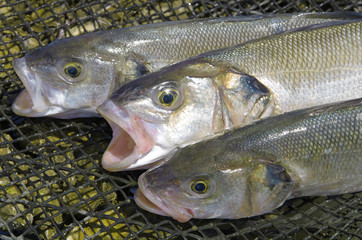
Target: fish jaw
(34, 100)
(31, 100)
(146, 199)
(130, 141)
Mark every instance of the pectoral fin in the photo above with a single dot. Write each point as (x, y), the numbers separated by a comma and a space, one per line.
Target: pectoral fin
(270, 185)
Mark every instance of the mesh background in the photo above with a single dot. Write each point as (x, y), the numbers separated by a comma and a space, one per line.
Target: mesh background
(51, 182)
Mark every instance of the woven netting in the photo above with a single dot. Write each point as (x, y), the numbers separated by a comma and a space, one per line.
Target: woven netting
(52, 185)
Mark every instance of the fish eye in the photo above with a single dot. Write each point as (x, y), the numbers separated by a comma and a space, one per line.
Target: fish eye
(199, 186)
(73, 70)
(168, 97)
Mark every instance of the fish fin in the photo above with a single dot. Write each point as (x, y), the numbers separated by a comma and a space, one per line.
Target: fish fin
(270, 185)
(263, 107)
(339, 15)
(315, 26)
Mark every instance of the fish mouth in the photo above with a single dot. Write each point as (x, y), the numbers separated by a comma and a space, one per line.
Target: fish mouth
(130, 142)
(146, 199)
(40, 99)
(31, 102)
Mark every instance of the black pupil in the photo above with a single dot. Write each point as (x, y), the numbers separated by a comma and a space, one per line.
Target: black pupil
(167, 98)
(200, 187)
(72, 71)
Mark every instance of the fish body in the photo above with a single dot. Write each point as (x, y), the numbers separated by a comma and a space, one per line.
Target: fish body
(252, 170)
(185, 102)
(70, 77)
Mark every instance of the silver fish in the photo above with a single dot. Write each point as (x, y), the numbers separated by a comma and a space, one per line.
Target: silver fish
(69, 78)
(183, 103)
(252, 170)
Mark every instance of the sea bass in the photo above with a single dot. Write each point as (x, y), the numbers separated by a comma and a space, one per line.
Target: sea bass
(187, 101)
(252, 170)
(69, 78)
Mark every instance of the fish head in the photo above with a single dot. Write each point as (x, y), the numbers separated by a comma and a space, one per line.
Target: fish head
(64, 79)
(174, 107)
(204, 181)
(183, 191)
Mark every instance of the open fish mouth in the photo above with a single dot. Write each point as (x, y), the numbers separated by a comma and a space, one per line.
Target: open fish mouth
(38, 99)
(130, 142)
(31, 101)
(147, 200)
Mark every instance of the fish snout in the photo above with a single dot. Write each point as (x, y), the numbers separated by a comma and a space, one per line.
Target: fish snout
(130, 140)
(157, 198)
(32, 101)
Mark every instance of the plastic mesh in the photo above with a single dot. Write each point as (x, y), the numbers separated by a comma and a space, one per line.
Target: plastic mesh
(51, 182)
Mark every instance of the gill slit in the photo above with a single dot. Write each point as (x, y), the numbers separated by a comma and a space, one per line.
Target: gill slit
(227, 119)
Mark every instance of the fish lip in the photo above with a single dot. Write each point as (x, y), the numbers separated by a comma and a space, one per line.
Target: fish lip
(124, 125)
(23, 71)
(151, 202)
(36, 103)
(144, 203)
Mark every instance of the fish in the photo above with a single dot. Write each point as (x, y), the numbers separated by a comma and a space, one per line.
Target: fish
(183, 103)
(70, 77)
(252, 170)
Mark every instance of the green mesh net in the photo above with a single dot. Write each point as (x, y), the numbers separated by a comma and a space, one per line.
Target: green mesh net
(51, 183)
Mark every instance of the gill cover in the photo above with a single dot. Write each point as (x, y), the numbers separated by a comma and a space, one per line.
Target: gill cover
(244, 97)
(269, 186)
